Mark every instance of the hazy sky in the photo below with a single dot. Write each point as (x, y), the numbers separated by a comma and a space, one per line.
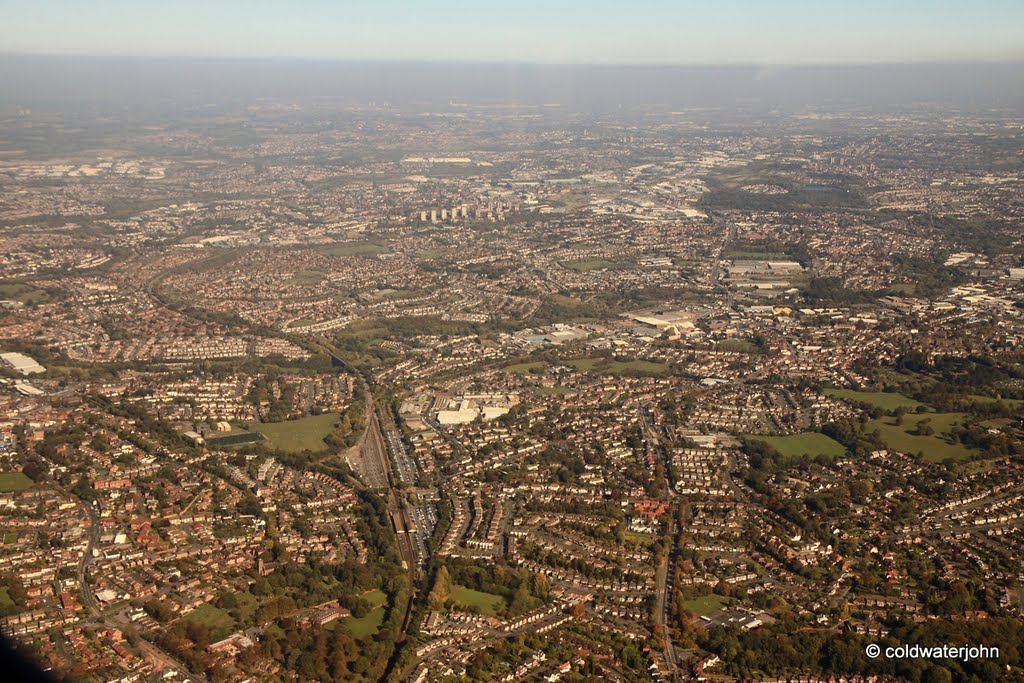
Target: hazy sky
(558, 31)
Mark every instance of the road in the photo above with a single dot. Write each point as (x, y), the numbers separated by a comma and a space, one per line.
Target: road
(663, 587)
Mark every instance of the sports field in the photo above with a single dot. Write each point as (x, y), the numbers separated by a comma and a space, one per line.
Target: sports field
(934, 447)
(885, 400)
(487, 603)
(806, 444)
(14, 481)
(294, 436)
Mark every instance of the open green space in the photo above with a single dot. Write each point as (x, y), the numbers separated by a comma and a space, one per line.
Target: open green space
(1011, 402)
(365, 626)
(433, 253)
(307, 277)
(294, 436)
(247, 605)
(597, 264)
(487, 603)
(806, 444)
(756, 256)
(886, 400)
(637, 538)
(14, 481)
(736, 346)
(706, 605)
(935, 447)
(214, 618)
(10, 537)
(376, 598)
(614, 367)
(369, 624)
(354, 249)
(5, 599)
(524, 368)
(549, 391)
(26, 294)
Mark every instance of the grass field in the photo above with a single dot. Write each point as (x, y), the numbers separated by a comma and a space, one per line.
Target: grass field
(881, 399)
(307, 277)
(14, 481)
(23, 293)
(736, 346)
(548, 391)
(5, 599)
(706, 605)
(636, 538)
(617, 368)
(487, 603)
(376, 598)
(294, 436)
(354, 249)
(807, 444)
(247, 604)
(756, 256)
(934, 447)
(1011, 402)
(524, 368)
(597, 264)
(367, 625)
(214, 618)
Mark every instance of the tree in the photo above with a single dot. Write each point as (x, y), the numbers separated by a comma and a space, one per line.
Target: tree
(442, 590)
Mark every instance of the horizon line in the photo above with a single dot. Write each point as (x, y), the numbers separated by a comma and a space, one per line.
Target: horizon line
(503, 62)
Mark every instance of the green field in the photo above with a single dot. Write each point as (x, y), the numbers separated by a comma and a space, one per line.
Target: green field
(354, 249)
(307, 277)
(5, 599)
(807, 444)
(736, 346)
(549, 391)
(214, 618)
(376, 598)
(486, 603)
(935, 447)
(14, 481)
(294, 436)
(706, 605)
(637, 538)
(597, 264)
(367, 626)
(1011, 402)
(370, 624)
(615, 367)
(756, 256)
(880, 399)
(23, 293)
(524, 368)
